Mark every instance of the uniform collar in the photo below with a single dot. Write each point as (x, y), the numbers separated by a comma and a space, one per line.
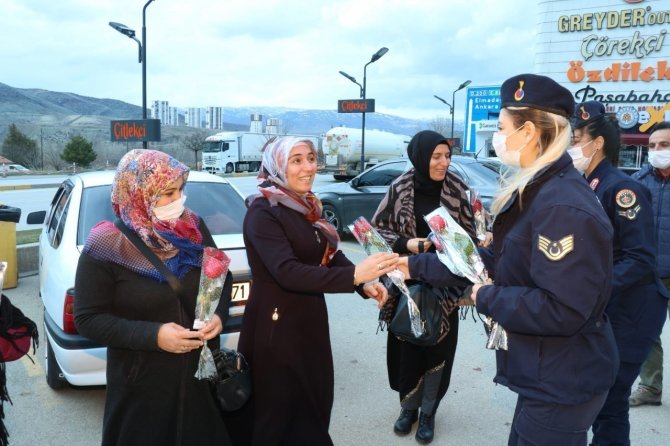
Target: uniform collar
(600, 169)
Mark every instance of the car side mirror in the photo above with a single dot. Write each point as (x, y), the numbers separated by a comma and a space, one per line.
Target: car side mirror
(36, 218)
(356, 182)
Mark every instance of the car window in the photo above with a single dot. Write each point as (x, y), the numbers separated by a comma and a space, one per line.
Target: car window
(58, 206)
(475, 175)
(218, 204)
(382, 175)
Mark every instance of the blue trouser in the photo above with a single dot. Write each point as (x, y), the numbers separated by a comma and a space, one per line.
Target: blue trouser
(538, 423)
(612, 426)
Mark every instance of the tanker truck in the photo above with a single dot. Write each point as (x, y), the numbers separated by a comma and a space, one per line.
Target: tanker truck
(342, 150)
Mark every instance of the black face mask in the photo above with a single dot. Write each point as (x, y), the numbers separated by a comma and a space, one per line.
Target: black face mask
(420, 151)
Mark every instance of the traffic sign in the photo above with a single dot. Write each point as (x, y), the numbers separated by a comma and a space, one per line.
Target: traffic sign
(355, 106)
(483, 104)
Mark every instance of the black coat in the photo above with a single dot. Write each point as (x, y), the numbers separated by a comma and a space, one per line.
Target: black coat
(153, 397)
(553, 279)
(285, 335)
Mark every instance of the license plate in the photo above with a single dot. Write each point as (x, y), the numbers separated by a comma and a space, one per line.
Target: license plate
(240, 292)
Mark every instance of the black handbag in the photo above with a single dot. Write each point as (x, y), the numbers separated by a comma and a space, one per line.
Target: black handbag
(232, 387)
(429, 300)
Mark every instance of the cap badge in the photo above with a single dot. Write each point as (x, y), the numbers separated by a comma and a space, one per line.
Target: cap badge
(519, 93)
(555, 250)
(626, 198)
(585, 114)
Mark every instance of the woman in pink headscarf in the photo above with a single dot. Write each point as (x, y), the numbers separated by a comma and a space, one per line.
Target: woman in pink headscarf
(294, 259)
(124, 302)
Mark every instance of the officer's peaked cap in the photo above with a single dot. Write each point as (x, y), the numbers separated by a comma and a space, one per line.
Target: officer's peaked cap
(536, 91)
(588, 112)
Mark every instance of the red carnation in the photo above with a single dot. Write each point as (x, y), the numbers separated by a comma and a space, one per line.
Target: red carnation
(477, 205)
(214, 268)
(213, 252)
(437, 223)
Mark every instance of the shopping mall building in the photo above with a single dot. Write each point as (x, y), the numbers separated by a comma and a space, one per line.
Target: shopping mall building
(613, 51)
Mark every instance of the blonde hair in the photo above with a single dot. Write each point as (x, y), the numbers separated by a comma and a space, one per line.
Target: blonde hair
(555, 132)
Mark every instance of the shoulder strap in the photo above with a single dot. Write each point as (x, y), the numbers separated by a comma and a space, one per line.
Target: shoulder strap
(160, 266)
(153, 258)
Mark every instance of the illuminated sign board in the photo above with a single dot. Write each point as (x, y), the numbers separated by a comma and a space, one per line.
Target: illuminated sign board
(355, 106)
(482, 104)
(136, 130)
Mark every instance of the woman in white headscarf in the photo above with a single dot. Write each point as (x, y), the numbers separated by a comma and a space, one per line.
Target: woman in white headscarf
(294, 259)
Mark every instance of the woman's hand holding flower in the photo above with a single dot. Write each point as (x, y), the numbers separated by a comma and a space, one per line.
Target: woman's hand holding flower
(174, 338)
(212, 328)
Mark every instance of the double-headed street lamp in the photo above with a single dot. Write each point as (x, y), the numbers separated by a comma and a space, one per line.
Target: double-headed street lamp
(453, 102)
(128, 32)
(375, 57)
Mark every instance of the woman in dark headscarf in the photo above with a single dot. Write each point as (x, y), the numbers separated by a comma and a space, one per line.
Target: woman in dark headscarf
(421, 375)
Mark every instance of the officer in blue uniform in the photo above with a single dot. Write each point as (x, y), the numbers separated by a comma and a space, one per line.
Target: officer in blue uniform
(552, 271)
(638, 302)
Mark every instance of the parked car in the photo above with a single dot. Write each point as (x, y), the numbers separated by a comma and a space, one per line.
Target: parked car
(344, 202)
(82, 201)
(13, 168)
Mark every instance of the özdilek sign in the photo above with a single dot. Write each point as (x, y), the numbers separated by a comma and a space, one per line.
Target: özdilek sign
(618, 55)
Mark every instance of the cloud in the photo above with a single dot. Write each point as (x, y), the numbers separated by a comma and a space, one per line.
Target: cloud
(270, 53)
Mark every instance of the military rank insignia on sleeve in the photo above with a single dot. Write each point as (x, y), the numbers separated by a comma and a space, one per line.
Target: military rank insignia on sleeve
(631, 213)
(555, 250)
(626, 198)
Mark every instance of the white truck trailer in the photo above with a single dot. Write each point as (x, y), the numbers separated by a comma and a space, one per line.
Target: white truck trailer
(229, 152)
(342, 150)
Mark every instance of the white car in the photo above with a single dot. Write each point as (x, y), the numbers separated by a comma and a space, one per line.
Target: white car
(13, 168)
(82, 201)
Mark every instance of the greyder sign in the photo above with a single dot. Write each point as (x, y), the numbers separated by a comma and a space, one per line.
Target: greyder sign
(136, 130)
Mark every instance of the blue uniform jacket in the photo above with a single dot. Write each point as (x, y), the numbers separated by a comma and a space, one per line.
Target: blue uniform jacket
(553, 277)
(638, 302)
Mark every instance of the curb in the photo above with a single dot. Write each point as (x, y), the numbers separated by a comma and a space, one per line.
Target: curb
(30, 186)
(27, 259)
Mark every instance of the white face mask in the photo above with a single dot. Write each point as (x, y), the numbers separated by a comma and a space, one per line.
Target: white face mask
(659, 159)
(507, 156)
(171, 211)
(580, 161)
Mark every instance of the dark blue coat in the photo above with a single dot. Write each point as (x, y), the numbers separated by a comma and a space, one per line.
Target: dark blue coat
(637, 306)
(553, 276)
(660, 199)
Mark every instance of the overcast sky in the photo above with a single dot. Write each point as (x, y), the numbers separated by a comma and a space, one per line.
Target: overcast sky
(270, 52)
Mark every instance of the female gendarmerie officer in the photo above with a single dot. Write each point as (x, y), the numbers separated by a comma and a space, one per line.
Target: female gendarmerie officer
(638, 302)
(552, 272)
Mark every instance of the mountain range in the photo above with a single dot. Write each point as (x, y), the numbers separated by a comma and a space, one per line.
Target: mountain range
(52, 118)
(30, 105)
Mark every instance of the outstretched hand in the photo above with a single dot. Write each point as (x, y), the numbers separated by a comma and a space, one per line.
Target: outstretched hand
(375, 266)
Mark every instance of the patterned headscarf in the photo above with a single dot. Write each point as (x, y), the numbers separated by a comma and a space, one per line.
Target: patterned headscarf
(141, 177)
(273, 186)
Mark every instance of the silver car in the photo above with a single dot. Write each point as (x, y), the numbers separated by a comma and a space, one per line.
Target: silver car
(82, 201)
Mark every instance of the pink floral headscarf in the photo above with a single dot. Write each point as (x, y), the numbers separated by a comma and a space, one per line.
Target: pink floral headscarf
(141, 177)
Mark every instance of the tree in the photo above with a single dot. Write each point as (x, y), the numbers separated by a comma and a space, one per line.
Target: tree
(79, 150)
(195, 142)
(20, 148)
(441, 125)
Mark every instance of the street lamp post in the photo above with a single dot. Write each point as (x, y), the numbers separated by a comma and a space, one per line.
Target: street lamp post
(375, 57)
(453, 102)
(123, 29)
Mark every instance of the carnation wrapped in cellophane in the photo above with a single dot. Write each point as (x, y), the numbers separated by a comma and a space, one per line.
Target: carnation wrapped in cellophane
(479, 214)
(215, 265)
(372, 242)
(458, 252)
